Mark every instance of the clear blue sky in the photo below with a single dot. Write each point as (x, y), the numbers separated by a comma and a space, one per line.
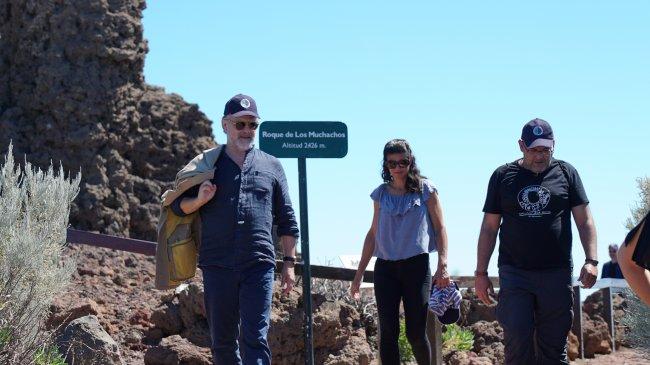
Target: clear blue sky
(456, 79)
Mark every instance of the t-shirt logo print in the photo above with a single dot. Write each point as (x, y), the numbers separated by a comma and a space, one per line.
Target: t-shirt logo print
(533, 199)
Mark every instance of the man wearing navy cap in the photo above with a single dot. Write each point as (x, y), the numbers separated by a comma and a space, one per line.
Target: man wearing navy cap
(238, 207)
(529, 204)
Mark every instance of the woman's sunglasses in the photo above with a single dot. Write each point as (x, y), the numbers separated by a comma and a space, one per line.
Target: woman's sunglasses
(391, 164)
(239, 125)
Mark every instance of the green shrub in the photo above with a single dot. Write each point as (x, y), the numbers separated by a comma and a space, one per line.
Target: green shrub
(34, 210)
(5, 336)
(641, 208)
(637, 316)
(637, 320)
(456, 338)
(405, 350)
(49, 356)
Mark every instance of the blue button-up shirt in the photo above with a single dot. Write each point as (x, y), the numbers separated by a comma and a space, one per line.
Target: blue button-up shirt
(236, 223)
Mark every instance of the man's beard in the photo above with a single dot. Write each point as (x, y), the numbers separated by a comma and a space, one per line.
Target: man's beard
(244, 144)
(540, 166)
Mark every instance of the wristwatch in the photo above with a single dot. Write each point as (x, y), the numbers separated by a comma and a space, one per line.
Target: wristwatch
(591, 261)
(289, 259)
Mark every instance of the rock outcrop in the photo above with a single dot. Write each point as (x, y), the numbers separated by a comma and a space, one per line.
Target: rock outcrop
(488, 340)
(594, 308)
(339, 336)
(488, 334)
(473, 310)
(573, 346)
(72, 89)
(84, 342)
(596, 336)
(175, 350)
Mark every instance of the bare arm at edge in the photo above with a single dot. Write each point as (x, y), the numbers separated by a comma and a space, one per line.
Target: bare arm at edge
(368, 244)
(637, 277)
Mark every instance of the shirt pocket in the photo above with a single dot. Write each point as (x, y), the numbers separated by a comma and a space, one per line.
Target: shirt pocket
(260, 197)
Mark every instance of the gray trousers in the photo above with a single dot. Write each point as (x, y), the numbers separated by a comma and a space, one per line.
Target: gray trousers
(535, 310)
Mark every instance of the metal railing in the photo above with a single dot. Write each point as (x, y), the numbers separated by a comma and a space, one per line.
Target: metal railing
(607, 287)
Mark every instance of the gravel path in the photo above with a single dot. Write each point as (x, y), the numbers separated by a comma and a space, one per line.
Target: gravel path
(624, 356)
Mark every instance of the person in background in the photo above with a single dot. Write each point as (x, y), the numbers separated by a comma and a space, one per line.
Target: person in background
(407, 225)
(611, 269)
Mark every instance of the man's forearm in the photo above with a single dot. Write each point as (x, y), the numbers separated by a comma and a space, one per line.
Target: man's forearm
(588, 239)
(288, 245)
(486, 242)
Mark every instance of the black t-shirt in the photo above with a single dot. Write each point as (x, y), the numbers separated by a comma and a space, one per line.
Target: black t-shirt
(535, 230)
(641, 253)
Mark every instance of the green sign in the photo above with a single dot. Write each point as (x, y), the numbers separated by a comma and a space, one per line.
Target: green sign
(304, 139)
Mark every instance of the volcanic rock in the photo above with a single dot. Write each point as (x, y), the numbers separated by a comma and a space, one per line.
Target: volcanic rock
(72, 90)
(573, 346)
(485, 334)
(467, 358)
(84, 342)
(596, 336)
(175, 350)
(474, 310)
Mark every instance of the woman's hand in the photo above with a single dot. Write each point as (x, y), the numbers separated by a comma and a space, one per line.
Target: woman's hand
(354, 289)
(441, 277)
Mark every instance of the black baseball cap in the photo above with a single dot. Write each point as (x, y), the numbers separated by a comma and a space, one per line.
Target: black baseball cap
(537, 133)
(240, 105)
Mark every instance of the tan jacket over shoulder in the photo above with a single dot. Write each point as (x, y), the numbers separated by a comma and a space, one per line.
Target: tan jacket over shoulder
(180, 237)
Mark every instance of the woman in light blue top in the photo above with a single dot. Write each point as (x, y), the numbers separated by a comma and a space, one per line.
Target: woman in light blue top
(407, 224)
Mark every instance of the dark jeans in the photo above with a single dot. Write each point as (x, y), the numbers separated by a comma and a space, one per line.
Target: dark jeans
(409, 281)
(235, 299)
(536, 312)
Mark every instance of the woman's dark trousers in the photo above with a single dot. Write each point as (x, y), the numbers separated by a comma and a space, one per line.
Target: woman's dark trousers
(409, 281)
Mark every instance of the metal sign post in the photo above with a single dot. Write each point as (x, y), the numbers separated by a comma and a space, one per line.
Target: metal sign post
(304, 140)
(306, 271)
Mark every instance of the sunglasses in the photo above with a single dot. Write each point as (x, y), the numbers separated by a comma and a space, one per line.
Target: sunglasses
(391, 164)
(240, 125)
(544, 151)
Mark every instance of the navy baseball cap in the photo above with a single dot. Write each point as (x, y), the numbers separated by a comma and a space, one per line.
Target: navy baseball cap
(537, 133)
(240, 105)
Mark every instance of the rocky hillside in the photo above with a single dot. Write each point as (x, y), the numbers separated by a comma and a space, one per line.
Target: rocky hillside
(488, 335)
(72, 89)
(169, 327)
